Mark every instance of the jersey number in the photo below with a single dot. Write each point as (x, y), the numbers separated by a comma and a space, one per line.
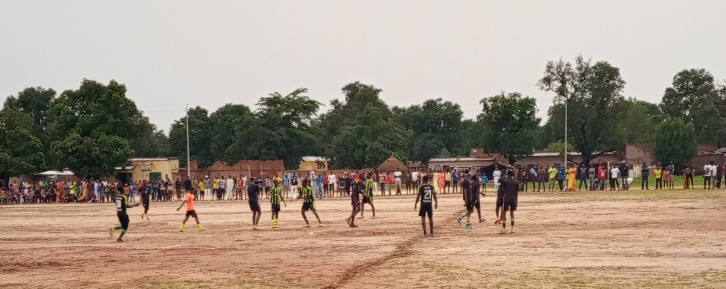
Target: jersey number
(118, 205)
(427, 194)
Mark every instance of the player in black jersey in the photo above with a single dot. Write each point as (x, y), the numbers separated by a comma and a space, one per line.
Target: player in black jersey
(367, 196)
(275, 198)
(308, 202)
(122, 203)
(510, 190)
(469, 201)
(425, 193)
(253, 193)
(145, 193)
(358, 189)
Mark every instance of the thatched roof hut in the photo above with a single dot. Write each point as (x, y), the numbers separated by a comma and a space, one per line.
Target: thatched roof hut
(392, 164)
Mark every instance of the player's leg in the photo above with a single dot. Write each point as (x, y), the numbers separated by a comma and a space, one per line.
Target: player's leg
(315, 212)
(431, 220)
(478, 211)
(259, 215)
(373, 208)
(511, 214)
(186, 218)
(423, 225)
(305, 218)
(504, 219)
(362, 208)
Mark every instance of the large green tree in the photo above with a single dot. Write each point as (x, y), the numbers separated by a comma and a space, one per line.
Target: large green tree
(434, 125)
(637, 120)
(222, 127)
(279, 129)
(592, 94)
(35, 103)
(675, 140)
(92, 126)
(688, 86)
(150, 142)
(21, 152)
(511, 124)
(199, 138)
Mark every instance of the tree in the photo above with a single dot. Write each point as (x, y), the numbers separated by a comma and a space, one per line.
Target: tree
(92, 126)
(511, 123)
(199, 138)
(35, 103)
(279, 129)
(675, 140)
(444, 153)
(222, 123)
(688, 86)
(21, 153)
(592, 93)
(435, 124)
(638, 120)
(559, 146)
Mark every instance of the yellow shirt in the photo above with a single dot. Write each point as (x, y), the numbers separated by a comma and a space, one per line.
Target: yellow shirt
(216, 184)
(201, 186)
(658, 173)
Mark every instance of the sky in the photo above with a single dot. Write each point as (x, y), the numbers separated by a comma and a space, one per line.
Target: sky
(171, 54)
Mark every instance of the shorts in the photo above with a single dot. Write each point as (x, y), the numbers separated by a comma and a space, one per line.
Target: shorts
(446, 183)
(308, 206)
(191, 213)
(500, 202)
(123, 218)
(368, 199)
(354, 201)
(254, 205)
(470, 205)
(146, 206)
(275, 208)
(426, 210)
(477, 205)
(510, 206)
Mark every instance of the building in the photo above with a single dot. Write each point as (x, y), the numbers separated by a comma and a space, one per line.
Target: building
(548, 158)
(637, 154)
(148, 168)
(391, 165)
(313, 164)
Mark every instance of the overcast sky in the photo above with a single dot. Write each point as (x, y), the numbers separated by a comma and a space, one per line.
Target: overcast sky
(208, 53)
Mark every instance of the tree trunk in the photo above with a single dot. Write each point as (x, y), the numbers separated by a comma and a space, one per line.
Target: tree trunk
(512, 160)
(586, 158)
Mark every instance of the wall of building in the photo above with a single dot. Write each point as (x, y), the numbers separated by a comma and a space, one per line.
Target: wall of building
(439, 165)
(313, 165)
(548, 160)
(165, 167)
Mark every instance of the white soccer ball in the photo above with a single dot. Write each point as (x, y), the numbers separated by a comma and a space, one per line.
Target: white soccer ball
(294, 196)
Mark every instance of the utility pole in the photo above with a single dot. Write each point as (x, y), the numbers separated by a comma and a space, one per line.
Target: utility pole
(189, 172)
(566, 100)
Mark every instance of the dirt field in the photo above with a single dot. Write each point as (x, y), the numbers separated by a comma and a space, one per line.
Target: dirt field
(604, 240)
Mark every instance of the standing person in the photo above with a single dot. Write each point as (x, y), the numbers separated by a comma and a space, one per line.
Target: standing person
(707, 176)
(382, 183)
(602, 175)
(447, 181)
(207, 188)
(533, 177)
(253, 194)
(333, 184)
(308, 203)
(229, 185)
(358, 189)
(318, 188)
(122, 203)
(469, 200)
(145, 192)
(496, 175)
(348, 180)
(475, 186)
(645, 173)
(719, 175)
(592, 174)
(714, 173)
(624, 175)
(658, 173)
(397, 179)
(614, 176)
(294, 183)
(415, 179)
(202, 190)
(441, 181)
(286, 186)
(216, 185)
(666, 178)
(275, 198)
(368, 197)
(552, 174)
(686, 175)
(582, 173)
(455, 180)
(510, 190)
(671, 168)
(541, 176)
(571, 176)
(561, 177)
(189, 201)
(425, 193)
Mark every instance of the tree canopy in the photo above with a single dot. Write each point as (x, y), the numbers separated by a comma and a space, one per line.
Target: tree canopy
(511, 124)
(675, 140)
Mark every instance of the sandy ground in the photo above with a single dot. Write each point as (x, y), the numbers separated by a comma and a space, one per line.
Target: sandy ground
(605, 240)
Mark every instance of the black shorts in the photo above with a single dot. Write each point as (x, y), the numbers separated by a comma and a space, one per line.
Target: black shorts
(191, 213)
(510, 206)
(146, 206)
(354, 201)
(367, 199)
(477, 205)
(275, 208)
(254, 205)
(470, 205)
(426, 210)
(123, 218)
(500, 202)
(308, 206)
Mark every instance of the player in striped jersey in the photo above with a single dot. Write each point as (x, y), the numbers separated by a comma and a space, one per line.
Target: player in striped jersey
(308, 202)
(368, 196)
(275, 198)
(122, 203)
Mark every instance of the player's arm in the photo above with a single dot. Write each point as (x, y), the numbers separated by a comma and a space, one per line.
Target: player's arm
(418, 196)
(131, 205)
(283, 200)
(181, 205)
(436, 201)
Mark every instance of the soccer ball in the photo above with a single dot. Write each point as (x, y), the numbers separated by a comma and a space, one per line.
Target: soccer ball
(294, 196)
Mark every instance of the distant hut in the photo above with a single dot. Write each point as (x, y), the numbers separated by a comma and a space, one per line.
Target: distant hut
(391, 165)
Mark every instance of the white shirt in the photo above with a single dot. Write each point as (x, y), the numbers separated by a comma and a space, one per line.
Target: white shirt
(397, 175)
(497, 174)
(707, 170)
(714, 170)
(414, 176)
(614, 172)
(331, 179)
(230, 184)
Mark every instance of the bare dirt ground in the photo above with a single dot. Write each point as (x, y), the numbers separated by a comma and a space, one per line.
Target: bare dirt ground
(666, 239)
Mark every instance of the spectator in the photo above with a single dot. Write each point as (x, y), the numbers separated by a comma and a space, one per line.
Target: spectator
(645, 173)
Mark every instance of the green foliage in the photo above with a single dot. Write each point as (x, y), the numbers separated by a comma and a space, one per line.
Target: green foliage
(92, 126)
(35, 103)
(150, 142)
(199, 138)
(20, 151)
(675, 140)
(435, 124)
(444, 154)
(511, 121)
(223, 129)
(559, 146)
(637, 120)
(592, 95)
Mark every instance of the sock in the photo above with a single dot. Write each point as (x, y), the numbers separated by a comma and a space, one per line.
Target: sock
(306, 222)
(123, 232)
(118, 228)
(181, 227)
(512, 223)
(504, 226)
(199, 226)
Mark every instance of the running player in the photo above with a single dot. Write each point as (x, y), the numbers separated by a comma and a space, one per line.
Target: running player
(500, 200)
(510, 189)
(275, 198)
(368, 196)
(358, 189)
(425, 193)
(145, 191)
(189, 201)
(121, 205)
(469, 199)
(308, 203)
(476, 190)
(253, 193)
